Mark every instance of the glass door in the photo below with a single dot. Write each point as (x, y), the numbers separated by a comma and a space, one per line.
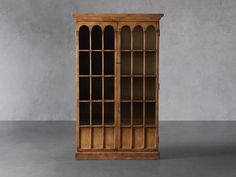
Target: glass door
(138, 86)
(96, 93)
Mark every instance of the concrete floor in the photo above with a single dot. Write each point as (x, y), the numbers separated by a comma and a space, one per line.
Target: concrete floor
(46, 149)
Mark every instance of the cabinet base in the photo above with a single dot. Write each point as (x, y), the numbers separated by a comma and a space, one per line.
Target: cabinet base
(117, 155)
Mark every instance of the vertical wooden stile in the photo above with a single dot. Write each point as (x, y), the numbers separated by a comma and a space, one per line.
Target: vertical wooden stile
(132, 128)
(90, 88)
(103, 129)
(144, 79)
(117, 91)
(77, 90)
(157, 85)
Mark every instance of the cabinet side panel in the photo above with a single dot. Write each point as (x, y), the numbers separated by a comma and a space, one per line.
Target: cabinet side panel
(77, 88)
(157, 84)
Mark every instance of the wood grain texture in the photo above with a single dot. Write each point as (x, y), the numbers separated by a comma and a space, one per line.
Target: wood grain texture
(134, 132)
(117, 17)
(117, 155)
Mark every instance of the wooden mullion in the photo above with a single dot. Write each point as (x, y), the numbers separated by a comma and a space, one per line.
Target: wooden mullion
(131, 55)
(144, 88)
(97, 75)
(103, 131)
(90, 88)
(97, 50)
(94, 101)
(136, 50)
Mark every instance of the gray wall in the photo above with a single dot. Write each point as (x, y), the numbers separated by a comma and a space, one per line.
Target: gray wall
(197, 57)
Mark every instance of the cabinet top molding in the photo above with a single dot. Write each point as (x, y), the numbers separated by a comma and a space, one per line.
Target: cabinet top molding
(116, 17)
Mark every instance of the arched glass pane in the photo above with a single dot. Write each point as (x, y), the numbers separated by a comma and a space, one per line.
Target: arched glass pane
(96, 37)
(125, 38)
(109, 37)
(138, 38)
(84, 37)
(150, 40)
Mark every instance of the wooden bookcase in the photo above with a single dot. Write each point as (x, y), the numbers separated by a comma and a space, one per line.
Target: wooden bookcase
(117, 84)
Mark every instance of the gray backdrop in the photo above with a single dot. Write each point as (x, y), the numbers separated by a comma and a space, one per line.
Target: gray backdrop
(197, 57)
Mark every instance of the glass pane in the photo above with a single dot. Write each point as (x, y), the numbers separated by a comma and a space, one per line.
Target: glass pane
(150, 113)
(125, 63)
(84, 63)
(138, 38)
(108, 113)
(138, 113)
(150, 66)
(109, 63)
(150, 84)
(125, 38)
(96, 37)
(150, 40)
(84, 88)
(138, 88)
(96, 113)
(84, 113)
(125, 113)
(138, 63)
(109, 37)
(109, 88)
(125, 88)
(96, 88)
(96, 63)
(84, 37)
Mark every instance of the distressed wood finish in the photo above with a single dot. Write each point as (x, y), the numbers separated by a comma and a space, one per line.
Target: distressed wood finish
(117, 85)
(117, 17)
